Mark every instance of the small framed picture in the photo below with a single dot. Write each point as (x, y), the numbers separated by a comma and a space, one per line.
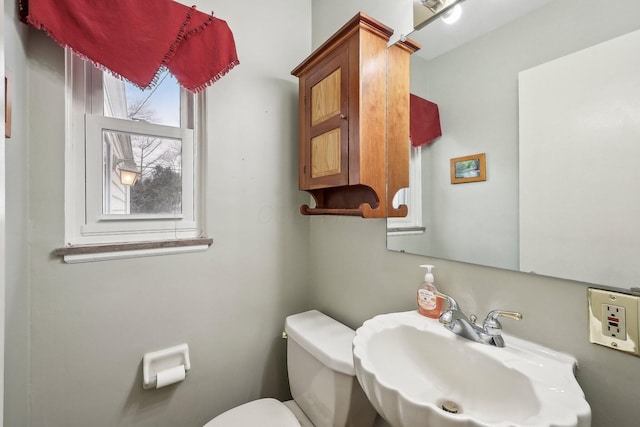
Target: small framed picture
(468, 169)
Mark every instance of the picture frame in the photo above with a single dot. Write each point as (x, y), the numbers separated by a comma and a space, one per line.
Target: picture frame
(468, 169)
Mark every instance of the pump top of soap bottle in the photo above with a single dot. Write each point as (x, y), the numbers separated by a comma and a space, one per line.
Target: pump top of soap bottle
(428, 276)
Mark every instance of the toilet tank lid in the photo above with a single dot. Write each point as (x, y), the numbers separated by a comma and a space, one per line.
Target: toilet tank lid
(325, 338)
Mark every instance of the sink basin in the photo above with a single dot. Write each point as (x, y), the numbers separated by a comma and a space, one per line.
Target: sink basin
(417, 373)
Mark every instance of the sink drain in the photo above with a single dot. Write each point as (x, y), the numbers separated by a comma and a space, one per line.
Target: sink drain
(449, 406)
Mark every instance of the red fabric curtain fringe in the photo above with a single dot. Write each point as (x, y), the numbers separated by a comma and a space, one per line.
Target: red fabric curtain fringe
(135, 40)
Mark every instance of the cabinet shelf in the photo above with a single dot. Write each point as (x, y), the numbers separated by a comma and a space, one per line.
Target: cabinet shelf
(350, 200)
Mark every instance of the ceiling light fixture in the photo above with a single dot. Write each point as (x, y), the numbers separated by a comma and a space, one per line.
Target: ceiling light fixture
(432, 4)
(426, 11)
(452, 15)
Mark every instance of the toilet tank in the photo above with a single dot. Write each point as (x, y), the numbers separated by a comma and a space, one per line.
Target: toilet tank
(321, 373)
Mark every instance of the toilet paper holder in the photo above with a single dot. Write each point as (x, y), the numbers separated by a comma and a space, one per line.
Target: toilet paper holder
(165, 360)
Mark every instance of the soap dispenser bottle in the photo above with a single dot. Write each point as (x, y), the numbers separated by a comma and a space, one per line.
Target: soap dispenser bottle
(428, 303)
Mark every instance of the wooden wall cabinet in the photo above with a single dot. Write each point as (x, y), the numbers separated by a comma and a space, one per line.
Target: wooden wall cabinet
(354, 121)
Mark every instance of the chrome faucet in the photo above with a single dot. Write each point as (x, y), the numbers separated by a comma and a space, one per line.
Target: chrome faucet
(457, 322)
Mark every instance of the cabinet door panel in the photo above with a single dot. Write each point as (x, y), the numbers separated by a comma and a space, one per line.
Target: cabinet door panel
(326, 161)
(325, 154)
(325, 98)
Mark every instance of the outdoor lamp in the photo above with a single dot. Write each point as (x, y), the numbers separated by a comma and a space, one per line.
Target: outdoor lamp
(128, 171)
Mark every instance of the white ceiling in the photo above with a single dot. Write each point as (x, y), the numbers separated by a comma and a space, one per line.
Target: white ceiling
(478, 17)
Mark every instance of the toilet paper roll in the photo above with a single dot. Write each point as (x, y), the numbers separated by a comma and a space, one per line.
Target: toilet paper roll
(170, 376)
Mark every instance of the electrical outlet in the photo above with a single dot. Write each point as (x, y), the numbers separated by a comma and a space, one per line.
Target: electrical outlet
(613, 320)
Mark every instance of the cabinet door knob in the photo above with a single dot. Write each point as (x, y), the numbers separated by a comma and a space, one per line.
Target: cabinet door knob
(343, 117)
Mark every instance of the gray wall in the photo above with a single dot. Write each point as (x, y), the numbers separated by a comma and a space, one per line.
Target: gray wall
(16, 267)
(90, 324)
(354, 277)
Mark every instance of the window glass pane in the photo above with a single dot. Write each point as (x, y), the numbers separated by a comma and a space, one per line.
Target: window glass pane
(158, 162)
(159, 104)
(401, 198)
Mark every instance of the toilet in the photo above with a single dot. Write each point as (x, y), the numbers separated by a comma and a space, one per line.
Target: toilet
(322, 379)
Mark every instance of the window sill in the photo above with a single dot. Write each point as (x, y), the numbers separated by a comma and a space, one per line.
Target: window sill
(403, 231)
(88, 253)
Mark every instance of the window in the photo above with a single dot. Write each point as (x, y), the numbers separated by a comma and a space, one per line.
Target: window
(134, 161)
(412, 197)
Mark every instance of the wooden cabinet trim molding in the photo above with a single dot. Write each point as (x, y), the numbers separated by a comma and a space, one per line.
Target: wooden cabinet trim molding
(360, 21)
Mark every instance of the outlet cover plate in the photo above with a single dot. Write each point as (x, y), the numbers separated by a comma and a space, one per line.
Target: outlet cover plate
(599, 299)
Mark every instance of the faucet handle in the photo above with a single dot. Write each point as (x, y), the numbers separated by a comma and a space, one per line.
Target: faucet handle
(453, 304)
(446, 316)
(491, 324)
(494, 314)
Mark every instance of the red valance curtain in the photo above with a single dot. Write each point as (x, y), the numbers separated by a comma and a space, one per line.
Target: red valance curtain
(134, 39)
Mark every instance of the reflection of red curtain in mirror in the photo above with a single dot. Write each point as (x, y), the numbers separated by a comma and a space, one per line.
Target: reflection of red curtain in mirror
(425, 121)
(134, 39)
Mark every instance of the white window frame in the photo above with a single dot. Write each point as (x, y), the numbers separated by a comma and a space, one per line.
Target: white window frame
(85, 223)
(412, 197)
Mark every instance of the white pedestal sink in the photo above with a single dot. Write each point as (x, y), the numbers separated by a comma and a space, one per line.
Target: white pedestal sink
(417, 373)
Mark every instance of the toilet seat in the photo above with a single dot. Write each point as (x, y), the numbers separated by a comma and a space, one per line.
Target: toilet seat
(262, 412)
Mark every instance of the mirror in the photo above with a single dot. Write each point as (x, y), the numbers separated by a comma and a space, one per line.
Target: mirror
(476, 84)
